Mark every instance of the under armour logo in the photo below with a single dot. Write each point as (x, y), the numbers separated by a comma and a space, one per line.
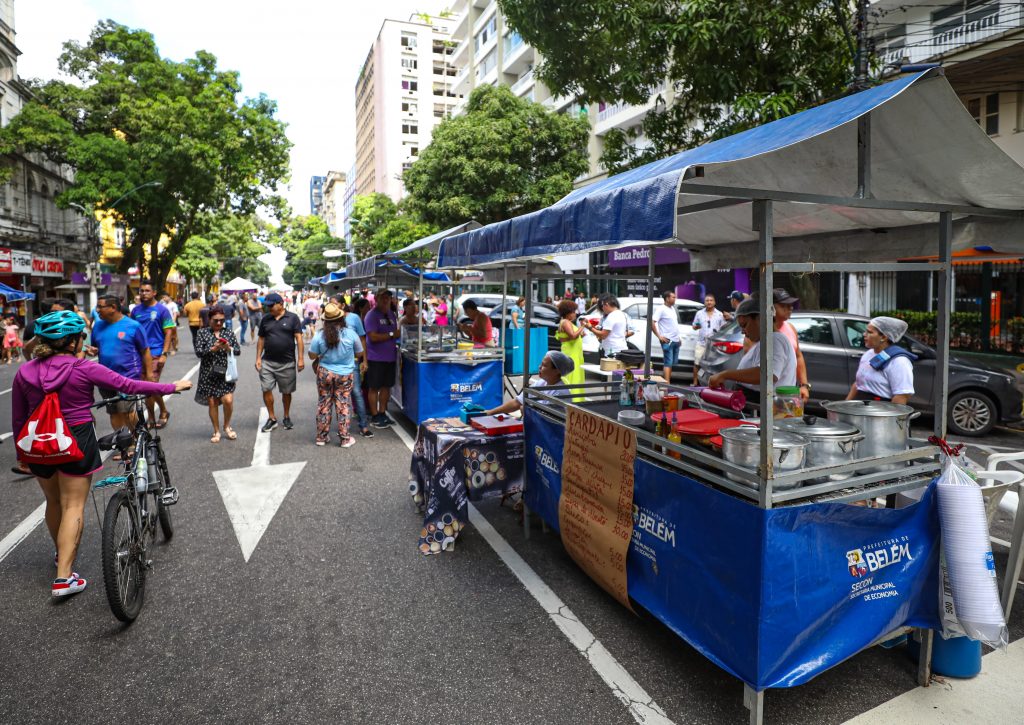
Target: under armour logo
(64, 441)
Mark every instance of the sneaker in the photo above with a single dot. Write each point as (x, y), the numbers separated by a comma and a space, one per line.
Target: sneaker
(269, 425)
(366, 433)
(287, 423)
(379, 421)
(321, 443)
(348, 442)
(66, 587)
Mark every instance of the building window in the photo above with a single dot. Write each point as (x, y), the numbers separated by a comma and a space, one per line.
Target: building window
(409, 63)
(440, 110)
(408, 107)
(414, 151)
(408, 85)
(965, 16)
(985, 110)
(408, 40)
(486, 34)
(487, 64)
(410, 128)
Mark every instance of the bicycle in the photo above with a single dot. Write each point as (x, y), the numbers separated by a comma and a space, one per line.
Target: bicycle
(130, 518)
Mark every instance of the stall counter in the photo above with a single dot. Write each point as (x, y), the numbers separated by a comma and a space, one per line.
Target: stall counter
(438, 388)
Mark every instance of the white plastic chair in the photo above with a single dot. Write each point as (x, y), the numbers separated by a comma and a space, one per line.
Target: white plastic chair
(1011, 502)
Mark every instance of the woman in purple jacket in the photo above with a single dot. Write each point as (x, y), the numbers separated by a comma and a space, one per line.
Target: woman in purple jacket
(56, 367)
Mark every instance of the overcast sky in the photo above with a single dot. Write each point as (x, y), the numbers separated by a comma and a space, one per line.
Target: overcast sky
(305, 54)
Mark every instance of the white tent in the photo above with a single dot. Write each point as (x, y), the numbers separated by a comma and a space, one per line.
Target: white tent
(239, 284)
(283, 288)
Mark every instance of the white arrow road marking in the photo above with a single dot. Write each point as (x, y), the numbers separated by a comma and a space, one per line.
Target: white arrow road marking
(253, 495)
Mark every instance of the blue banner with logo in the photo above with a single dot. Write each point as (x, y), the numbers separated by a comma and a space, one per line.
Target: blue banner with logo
(438, 389)
(774, 597)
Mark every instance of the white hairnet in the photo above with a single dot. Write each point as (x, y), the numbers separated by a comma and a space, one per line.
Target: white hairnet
(891, 327)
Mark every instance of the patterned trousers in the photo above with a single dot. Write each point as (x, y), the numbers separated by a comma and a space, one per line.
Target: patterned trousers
(333, 391)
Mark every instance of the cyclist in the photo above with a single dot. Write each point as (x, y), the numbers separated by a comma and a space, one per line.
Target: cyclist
(57, 367)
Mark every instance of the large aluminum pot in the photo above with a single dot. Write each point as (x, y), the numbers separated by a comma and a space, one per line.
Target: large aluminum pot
(885, 427)
(832, 444)
(742, 446)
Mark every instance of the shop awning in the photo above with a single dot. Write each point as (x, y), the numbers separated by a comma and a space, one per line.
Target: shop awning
(371, 267)
(239, 284)
(925, 150)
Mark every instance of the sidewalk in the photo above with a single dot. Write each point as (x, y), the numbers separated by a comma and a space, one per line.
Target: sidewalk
(994, 696)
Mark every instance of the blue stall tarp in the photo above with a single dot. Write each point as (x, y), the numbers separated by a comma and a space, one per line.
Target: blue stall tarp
(776, 596)
(438, 389)
(15, 295)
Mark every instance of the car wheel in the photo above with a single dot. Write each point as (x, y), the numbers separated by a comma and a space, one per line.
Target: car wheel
(971, 413)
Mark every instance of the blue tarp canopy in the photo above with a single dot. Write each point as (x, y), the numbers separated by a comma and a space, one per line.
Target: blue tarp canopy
(376, 266)
(925, 148)
(432, 243)
(15, 295)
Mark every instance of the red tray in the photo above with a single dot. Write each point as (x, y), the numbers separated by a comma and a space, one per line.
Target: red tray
(687, 415)
(496, 425)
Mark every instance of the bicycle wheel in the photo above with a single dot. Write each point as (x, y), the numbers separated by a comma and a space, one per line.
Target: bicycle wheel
(124, 568)
(164, 512)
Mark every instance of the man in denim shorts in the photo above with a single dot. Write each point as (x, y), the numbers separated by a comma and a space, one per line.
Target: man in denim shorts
(280, 332)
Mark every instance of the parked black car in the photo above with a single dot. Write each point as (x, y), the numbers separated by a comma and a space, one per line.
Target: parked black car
(832, 343)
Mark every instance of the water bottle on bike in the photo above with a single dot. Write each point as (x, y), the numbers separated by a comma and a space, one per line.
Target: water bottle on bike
(142, 475)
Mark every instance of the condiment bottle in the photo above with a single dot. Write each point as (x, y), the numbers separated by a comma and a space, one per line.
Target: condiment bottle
(674, 437)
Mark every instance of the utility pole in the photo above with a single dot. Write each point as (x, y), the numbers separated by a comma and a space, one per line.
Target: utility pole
(860, 58)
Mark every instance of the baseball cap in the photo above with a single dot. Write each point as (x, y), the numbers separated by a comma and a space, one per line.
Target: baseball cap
(781, 297)
(273, 299)
(736, 295)
(748, 306)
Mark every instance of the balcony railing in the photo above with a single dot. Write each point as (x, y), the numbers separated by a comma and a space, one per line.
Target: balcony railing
(1002, 19)
(524, 80)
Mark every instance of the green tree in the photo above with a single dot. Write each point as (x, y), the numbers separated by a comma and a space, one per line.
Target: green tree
(305, 238)
(730, 65)
(238, 241)
(380, 225)
(197, 260)
(505, 156)
(128, 117)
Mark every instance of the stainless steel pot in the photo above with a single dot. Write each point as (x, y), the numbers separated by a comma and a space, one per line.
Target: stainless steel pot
(742, 446)
(832, 444)
(885, 427)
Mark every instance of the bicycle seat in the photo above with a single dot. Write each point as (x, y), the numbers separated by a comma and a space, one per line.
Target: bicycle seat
(120, 439)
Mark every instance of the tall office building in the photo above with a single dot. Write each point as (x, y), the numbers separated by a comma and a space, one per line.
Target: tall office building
(316, 195)
(332, 210)
(489, 52)
(404, 89)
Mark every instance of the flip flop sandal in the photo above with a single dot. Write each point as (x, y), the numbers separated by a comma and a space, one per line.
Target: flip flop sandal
(215, 438)
(21, 471)
(230, 433)
(163, 420)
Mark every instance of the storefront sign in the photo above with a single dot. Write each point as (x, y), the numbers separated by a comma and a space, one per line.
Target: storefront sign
(637, 256)
(595, 511)
(638, 287)
(21, 262)
(5, 261)
(47, 267)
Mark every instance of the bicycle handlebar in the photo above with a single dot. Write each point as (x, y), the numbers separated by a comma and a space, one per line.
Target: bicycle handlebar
(120, 398)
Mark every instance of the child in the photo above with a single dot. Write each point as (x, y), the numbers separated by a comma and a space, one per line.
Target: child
(308, 326)
(12, 343)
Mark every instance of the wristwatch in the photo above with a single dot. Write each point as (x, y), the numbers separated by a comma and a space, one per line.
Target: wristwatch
(805, 385)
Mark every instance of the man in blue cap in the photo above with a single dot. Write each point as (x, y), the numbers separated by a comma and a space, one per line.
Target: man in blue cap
(280, 332)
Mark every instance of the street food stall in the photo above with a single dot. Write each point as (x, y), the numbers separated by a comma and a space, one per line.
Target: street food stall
(773, 567)
(438, 373)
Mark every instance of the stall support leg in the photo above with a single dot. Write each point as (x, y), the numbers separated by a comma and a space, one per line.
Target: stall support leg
(649, 329)
(924, 664)
(528, 312)
(763, 223)
(1013, 564)
(754, 701)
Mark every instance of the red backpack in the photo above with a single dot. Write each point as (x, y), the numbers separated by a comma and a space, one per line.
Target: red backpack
(46, 437)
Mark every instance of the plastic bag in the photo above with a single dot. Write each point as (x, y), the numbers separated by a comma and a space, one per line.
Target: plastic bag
(231, 374)
(969, 596)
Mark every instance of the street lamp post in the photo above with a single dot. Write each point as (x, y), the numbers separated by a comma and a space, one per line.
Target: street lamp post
(96, 237)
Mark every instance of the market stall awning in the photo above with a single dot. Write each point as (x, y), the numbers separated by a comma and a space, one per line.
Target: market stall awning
(239, 284)
(925, 149)
(15, 295)
(432, 243)
(371, 267)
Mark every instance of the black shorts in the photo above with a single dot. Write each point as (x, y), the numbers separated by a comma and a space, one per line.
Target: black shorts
(85, 435)
(380, 374)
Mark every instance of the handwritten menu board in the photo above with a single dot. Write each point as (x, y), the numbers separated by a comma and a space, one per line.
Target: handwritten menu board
(595, 511)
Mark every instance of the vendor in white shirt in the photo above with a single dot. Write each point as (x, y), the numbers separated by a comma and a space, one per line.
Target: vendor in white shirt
(748, 373)
(614, 328)
(553, 368)
(886, 370)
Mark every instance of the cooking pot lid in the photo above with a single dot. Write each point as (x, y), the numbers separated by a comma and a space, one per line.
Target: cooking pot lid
(876, 408)
(811, 427)
(750, 434)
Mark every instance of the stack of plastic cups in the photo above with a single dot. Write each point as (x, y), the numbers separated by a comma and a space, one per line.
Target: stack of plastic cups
(969, 561)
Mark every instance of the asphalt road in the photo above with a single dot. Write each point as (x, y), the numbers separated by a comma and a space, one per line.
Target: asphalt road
(337, 617)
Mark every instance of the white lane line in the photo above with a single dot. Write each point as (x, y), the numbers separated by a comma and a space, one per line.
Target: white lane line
(29, 523)
(5, 436)
(626, 690)
(5, 392)
(261, 450)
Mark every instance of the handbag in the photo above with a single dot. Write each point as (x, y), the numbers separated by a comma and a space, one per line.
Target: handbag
(231, 373)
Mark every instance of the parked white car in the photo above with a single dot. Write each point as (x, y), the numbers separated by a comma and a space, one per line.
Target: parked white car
(636, 310)
(485, 302)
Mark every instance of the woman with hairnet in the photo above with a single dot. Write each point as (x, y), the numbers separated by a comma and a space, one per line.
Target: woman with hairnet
(553, 368)
(886, 370)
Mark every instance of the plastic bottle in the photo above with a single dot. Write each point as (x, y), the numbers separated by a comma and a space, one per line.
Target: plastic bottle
(674, 437)
(626, 388)
(142, 475)
(787, 403)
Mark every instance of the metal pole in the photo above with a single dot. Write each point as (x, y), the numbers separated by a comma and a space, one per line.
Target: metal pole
(528, 294)
(864, 156)
(766, 281)
(941, 386)
(650, 311)
(986, 306)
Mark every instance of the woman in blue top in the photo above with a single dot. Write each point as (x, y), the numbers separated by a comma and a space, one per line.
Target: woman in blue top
(334, 351)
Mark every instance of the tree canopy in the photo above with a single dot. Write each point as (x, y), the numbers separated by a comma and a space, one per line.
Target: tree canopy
(729, 65)
(237, 241)
(198, 260)
(380, 225)
(305, 238)
(128, 117)
(503, 157)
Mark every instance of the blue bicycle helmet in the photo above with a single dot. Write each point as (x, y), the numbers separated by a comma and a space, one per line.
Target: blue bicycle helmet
(55, 325)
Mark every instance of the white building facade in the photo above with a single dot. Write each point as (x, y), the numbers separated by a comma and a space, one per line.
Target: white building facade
(404, 90)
